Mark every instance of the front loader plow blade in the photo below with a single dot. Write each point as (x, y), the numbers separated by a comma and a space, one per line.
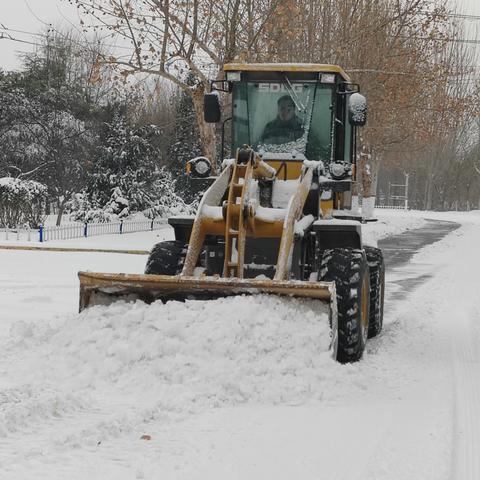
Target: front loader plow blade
(106, 288)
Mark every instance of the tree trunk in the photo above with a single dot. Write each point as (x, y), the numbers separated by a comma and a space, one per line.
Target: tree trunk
(367, 184)
(61, 208)
(355, 206)
(429, 192)
(206, 130)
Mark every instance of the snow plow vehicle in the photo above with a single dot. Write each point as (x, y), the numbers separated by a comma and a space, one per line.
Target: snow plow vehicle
(277, 219)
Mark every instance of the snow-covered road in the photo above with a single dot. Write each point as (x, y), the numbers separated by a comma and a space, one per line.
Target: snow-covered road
(239, 387)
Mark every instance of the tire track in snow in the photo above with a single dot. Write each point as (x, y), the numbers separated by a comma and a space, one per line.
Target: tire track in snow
(466, 365)
(453, 294)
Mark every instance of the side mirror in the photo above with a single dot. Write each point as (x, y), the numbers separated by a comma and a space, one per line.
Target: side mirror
(357, 109)
(211, 108)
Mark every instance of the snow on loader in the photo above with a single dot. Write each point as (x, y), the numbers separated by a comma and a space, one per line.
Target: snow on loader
(278, 218)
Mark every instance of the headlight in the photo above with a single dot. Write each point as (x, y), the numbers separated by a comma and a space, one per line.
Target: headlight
(199, 167)
(339, 170)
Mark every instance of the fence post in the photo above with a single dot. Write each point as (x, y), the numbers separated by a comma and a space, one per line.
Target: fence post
(28, 234)
(151, 225)
(6, 232)
(85, 229)
(40, 233)
(121, 226)
(18, 233)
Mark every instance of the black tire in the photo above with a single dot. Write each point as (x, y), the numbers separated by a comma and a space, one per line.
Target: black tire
(348, 268)
(166, 258)
(377, 290)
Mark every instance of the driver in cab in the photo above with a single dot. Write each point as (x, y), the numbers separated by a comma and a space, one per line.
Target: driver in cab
(287, 127)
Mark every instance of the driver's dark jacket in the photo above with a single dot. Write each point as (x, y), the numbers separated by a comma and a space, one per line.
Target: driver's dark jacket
(279, 131)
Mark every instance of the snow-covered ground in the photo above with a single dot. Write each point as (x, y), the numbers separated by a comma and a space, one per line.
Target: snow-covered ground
(241, 387)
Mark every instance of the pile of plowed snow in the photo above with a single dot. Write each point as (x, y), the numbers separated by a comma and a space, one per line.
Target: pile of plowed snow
(150, 361)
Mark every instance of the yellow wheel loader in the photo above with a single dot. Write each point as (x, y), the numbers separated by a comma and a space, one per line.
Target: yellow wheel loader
(276, 219)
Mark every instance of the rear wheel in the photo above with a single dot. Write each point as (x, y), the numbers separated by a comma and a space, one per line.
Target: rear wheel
(377, 290)
(166, 258)
(348, 268)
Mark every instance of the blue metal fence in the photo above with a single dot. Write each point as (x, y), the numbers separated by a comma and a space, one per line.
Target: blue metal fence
(79, 230)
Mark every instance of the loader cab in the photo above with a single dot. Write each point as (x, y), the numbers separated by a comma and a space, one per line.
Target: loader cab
(289, 112)
(284, 113)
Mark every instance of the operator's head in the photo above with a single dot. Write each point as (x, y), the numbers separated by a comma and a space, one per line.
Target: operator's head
(286, 108)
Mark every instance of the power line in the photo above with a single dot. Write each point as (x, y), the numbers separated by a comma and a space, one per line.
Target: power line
(53, 30)
(448, 40)
(465, 40)
(7, 29)
(464, 16)
(9, 37)
(32, 12)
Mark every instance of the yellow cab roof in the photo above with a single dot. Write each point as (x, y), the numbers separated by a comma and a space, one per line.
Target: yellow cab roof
(286, 67)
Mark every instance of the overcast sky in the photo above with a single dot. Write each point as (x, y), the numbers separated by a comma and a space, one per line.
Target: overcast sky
(31, 16)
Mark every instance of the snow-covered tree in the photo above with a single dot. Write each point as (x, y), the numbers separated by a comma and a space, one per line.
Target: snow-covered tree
(43, 140)
(21, 202)
(165, 200)
(125, 176)
(125, 159)
(184, 146)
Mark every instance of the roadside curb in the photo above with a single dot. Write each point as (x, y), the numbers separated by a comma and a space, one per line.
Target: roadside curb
(74, 250)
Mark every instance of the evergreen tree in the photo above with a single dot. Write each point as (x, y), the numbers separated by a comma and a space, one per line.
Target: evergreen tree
(184, 146)
(125, 167)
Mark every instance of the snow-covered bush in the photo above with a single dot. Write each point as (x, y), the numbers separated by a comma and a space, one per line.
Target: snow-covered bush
(163, 198)
(22, 202)
(78, 206)
(98, 215)
(81, 210)
(118, 205)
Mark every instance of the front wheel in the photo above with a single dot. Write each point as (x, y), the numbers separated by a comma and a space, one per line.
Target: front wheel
(348, 268)
(166, 258)
(376, 266)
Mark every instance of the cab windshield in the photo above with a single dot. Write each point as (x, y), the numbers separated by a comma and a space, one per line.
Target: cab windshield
(283, 117)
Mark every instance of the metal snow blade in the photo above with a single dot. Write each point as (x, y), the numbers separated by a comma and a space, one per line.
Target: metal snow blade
(106, 288)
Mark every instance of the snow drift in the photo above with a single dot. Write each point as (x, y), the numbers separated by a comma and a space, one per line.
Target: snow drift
(166, 361)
